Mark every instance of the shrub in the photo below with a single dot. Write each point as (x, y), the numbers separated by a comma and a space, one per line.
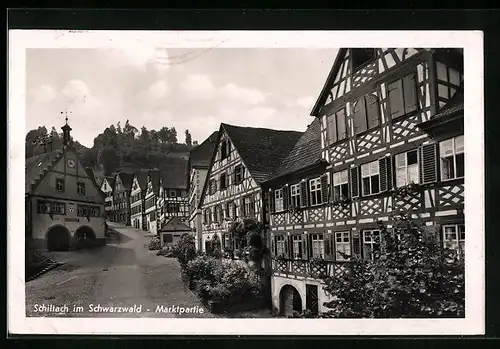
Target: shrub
(154, 244)
(184, 250)
(411, 276)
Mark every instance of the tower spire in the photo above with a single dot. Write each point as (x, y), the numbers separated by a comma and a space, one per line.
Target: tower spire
(66, 130)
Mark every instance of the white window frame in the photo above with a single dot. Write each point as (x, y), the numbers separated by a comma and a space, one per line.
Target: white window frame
(342, 244)
(280, 245)
(370, 233)
(295, 196)
(296, 242)
(278, 200)
(458, 242)
(318, 245)
(404, 167)
(453, 155)
(339, 181)
(315, 191)
(371, 173)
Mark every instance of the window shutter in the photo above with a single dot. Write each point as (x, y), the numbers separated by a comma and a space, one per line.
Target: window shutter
(273, 246)
(272, 203)
(286, 197)
(303, 194)
(410, 93)
(309, 246)
(390, 177)
(356, 244)
(288, 246)
(428, 170)
(360, 116)
(324, 188)
(304, 252)
(332, 128)
(372, 111)
(395, 93)
(341, 124)
(354, 182)
(384, 180)
(328, 241)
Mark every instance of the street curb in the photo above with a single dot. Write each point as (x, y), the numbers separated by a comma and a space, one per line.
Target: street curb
(52, 265)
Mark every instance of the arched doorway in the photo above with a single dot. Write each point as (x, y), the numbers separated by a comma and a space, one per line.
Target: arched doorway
(290, 301)
(84, 237)
(58, 238)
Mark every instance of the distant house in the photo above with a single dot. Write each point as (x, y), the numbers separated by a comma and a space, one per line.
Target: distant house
(64, 205)
(152, 192)
(172, 231)
(199, 162)
(137, 199)
(121, 197)
(107, 187)
(244, 157)
(172, 200)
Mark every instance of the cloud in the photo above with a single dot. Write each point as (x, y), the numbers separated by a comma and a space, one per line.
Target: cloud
(198, 86)
(158, 90)
(243, 94)
(44, 93)
(76, 90)
(305, 102)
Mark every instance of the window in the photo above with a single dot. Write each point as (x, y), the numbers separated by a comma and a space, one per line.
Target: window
(315, 190)
(278, 200)
(280, 245)
(152, 216)
(60, 185)
(366, 113)
(238, 174)
(297, 246)
(402, 96)
(167, 238)
(229, 210)
(223, 150)
(342, 246)
(216, 214)
(361, 56)
(371, 243)
(88, 211)
(80, 188)
(43, 206)
(370, 178)
(223, 181)
(221, 213)
(340, 185)
(337, 126)
(295, 195)
(248, 206)
(173, 208)
(172, 193)
(451, 154)
(318, 246)
(407, 168)
(454, 237)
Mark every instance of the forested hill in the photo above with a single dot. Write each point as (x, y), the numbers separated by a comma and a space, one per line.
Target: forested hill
(118, 148)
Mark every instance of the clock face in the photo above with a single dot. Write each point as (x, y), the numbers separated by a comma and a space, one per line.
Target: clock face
(71, 163)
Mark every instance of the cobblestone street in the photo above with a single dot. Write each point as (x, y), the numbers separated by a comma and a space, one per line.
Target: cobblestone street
(122, 274)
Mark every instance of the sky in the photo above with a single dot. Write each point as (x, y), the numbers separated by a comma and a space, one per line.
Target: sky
(193, 89)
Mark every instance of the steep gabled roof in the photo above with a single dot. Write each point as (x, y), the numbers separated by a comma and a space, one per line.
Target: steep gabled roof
(127, 178)
(329, 81)
(175, 224)
(111, 181)
(174, 173)
(36, 166)
(306, 152)
(201, 155)
(142, 178)
(261, 149)
(155, 180)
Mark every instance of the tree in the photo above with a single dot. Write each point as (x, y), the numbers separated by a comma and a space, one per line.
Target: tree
(33, 137)
(188, 138)
(110, 160)
(167, 135)
(410, 276)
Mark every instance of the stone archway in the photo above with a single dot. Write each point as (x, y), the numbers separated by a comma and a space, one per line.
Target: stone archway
(290, 301)
(58, 238)
(84, 237)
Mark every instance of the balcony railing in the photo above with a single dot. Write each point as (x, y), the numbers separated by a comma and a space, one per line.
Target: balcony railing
(307, 268)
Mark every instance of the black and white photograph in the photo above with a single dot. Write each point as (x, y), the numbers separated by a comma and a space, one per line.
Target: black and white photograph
(246, 182)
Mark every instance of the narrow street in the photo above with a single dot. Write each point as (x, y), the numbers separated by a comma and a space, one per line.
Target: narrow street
(121, 274)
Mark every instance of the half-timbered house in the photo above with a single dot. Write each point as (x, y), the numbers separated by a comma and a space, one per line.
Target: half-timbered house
(107, 187)
(243, 158)
(137, 199)
(150, 200)
(121, 196)
(199, 161)
(64, 205)
(373, 111)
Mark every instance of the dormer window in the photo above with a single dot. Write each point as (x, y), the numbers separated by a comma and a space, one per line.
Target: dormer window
(361, 56)
(223, 150)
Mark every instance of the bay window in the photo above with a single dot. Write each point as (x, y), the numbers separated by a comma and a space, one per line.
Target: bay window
(452, 158)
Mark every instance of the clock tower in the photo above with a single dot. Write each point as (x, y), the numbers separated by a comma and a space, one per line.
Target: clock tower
(66, 132)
